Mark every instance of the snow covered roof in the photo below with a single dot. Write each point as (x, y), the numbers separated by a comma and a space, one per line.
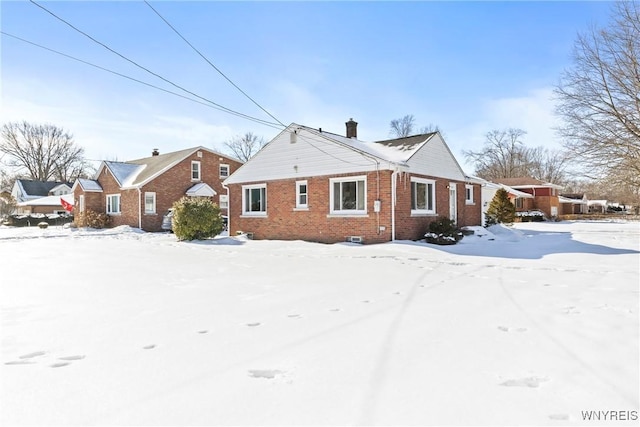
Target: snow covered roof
(124, 173)
(88, 184)
(575, 201)
(397, 150)
(134, 173)
(48, 201)
(31, 188)
(201, 190)
(526, 182)
(497, 186)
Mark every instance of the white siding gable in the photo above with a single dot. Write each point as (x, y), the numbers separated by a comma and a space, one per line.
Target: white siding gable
(435, 159)
(309, 155)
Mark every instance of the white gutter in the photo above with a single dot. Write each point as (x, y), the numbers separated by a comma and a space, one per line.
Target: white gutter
(394, 175)
(139, 209)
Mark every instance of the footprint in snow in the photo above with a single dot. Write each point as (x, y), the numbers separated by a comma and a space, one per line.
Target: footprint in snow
(559, 417)
(335, 309)
(71, 358)
(507, 329)
(294, 316)
(59, 364)
(149, 347)
(32, 355)
(530, 382)
(366, 301)
(204, 331)
(265, 373)
(253, 325)
(20, 362)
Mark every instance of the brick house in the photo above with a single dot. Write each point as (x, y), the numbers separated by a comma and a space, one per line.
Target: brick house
(138, 192)
(545, 195)
(573, 203)
(318, 186)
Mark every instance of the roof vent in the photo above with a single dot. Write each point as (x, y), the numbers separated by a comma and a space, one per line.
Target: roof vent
(155, 152)
(293, 137)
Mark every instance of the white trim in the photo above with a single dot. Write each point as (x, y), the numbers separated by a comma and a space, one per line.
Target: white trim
(223, 198)
(427, 211)
(468, 201)
(81, 203)
(193, 163)
(107, 204)
(153, 195)
(302, 206)
(348, 212)
(358, 215)
(224, 165)
(263, 211)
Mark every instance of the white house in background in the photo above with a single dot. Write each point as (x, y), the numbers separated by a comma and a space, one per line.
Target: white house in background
(597, 206)
(44, 205)
(27, 189)
(573, 203)
(488, 192)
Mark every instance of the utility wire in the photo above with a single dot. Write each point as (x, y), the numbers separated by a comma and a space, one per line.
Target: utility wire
(259, 121)
(228, 110)
(212, 65)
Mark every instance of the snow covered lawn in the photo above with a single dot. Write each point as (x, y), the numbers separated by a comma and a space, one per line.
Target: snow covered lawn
(533, 325)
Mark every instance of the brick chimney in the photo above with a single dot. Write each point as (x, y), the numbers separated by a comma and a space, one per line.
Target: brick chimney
(155, 152)
(352, 129)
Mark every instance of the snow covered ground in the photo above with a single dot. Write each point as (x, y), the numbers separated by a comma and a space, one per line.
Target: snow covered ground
(532, 325)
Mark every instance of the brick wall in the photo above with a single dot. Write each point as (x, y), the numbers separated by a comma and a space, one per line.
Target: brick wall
(316, 224)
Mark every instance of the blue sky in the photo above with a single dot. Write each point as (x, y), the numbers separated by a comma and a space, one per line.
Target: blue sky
(468, 67)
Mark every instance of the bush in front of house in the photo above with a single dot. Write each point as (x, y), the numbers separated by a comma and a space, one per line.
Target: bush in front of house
(443, 231)
(501, 210)
(196, 218)
(93, 219)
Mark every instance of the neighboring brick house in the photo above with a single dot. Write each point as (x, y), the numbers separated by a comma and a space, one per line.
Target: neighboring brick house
(317, 186)
(545, 195)
(139, 192)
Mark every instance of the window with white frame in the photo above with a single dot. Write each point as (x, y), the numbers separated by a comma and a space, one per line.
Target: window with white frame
(254, 200)
(423, 196)
(348, 195)
(81, 202)
(519, 202)
(302, 196)
(224, 171)
(195, 171)
(224, 201)
(113, 204)
(469, 194)
(149, 203)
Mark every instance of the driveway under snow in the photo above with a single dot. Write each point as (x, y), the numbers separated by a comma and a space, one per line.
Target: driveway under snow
(533, 325)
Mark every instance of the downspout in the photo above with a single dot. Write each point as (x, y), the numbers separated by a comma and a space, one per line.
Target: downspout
(139, 209)
(394, 176)
(228, 211)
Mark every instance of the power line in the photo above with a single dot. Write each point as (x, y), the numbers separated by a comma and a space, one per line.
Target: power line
(228, 110)
(212, 65)
(259, 121)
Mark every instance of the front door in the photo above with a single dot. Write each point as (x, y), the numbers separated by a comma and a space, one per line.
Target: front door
(453, 202)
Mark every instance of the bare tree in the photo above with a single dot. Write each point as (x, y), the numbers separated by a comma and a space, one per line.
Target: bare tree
(599, 98)
(547, 165)
(503, 155)
(44, 151)
(402, 127)
(244, 146)
(405, 126)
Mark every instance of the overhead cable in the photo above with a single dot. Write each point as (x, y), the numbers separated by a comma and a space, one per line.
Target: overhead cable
(210, 63)
(228, 110)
